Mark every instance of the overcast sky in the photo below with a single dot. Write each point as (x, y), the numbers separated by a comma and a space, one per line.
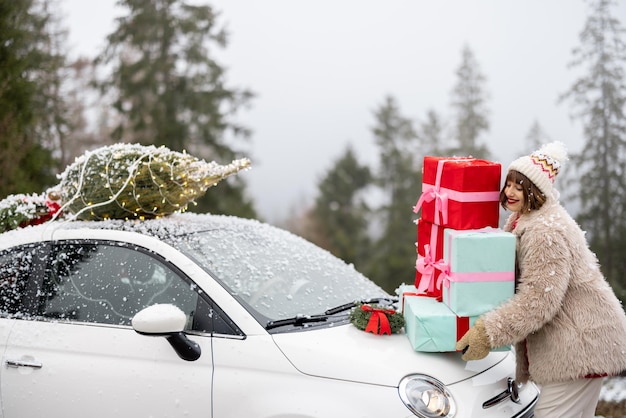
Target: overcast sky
(320, 68)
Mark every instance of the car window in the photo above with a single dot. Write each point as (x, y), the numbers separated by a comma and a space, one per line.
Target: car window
(16, 266)
(109, 284)
(276, 274)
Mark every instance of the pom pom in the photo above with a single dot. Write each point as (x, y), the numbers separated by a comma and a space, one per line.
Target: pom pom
(555, 150)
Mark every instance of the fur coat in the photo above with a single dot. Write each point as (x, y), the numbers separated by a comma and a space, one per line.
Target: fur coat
(564, 320)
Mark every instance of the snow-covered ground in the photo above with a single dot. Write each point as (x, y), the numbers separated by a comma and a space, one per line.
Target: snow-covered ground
(614, 389)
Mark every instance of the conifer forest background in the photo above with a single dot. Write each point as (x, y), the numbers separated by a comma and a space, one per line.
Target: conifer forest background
(157, 81)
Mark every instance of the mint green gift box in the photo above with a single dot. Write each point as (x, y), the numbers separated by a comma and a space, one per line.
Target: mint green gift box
(481, 270)
(430, 325)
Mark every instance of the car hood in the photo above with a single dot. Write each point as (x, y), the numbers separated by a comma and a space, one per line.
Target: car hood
(347, 353)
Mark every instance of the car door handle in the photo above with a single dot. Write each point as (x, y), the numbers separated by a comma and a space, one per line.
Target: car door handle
(511, 392)
(23, 363)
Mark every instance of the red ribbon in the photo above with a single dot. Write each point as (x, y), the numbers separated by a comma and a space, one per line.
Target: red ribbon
(51, 209)
(427, 265)
(405, 294)
(378, 322)
(462, 326)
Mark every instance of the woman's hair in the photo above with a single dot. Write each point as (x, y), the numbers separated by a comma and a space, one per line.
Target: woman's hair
(533, 197)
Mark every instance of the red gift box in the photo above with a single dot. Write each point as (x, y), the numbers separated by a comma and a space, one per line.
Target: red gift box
(430, 264)
(460, 192)
(431, 234)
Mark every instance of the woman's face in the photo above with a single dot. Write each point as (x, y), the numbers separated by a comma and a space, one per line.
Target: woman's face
(514, 196)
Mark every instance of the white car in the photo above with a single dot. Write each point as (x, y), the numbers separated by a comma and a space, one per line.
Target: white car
(213, 316)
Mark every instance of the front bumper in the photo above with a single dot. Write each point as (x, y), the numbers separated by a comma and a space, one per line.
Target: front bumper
(496, 385)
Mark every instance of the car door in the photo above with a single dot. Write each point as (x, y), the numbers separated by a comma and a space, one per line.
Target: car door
(77, 354)
(16, 265)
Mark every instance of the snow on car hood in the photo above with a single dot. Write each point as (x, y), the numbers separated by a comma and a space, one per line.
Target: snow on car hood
(347, 353)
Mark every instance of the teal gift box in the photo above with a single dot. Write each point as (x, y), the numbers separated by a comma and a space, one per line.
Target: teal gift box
(481, 270)
(430, 325)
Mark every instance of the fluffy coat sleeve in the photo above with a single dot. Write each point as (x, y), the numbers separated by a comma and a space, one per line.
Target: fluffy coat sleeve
(544, 262)
(564, 320)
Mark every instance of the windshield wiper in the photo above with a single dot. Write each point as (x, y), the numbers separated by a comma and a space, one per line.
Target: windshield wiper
(298, 320)
(301, 320)
(350, 305)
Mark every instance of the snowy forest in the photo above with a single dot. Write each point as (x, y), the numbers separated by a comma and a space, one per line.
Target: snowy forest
(158, 82)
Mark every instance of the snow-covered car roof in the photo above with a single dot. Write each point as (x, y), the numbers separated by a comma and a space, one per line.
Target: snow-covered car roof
(277, 273)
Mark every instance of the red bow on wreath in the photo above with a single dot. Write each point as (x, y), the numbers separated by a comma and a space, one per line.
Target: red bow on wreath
(378, 322)
(45, 214)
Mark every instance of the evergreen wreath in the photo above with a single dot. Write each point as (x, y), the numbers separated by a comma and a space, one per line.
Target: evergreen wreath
(20, 210)
(376, 319)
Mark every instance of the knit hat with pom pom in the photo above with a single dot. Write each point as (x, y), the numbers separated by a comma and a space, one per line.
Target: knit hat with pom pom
(542, 166)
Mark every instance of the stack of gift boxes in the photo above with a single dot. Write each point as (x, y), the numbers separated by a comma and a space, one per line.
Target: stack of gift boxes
(465, 264)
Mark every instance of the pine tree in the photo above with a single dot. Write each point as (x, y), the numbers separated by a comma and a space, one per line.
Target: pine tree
(31, 106)
(339, 217)
(171, 92)
(85, 133)
(430, 135)
(399, 178)
(535, 138)
(598, 98)
(469, 101)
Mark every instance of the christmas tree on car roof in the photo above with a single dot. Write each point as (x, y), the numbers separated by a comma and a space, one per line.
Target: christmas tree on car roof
(122, 181)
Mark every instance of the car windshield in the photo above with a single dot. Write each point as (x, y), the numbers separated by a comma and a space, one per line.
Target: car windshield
(277, 274)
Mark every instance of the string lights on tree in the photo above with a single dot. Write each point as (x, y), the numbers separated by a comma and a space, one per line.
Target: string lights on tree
(122, 181)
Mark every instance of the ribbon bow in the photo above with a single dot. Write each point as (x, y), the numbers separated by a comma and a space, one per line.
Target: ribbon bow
(43, 214)
(378, 322)
(426, 266)
(441, 201)
(430, 193)
(53, 207)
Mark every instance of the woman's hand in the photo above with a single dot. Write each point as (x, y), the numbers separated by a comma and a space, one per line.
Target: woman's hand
(475, 343)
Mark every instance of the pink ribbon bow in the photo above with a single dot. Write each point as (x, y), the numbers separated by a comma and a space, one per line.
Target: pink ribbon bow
(427, 265)
(435, 192)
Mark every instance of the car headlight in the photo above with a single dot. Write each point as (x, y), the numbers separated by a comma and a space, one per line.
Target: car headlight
(426, 397)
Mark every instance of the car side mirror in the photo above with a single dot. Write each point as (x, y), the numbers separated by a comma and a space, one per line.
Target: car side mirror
(165, 320)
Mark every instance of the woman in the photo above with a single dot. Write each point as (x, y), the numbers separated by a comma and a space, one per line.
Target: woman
(567, 325)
